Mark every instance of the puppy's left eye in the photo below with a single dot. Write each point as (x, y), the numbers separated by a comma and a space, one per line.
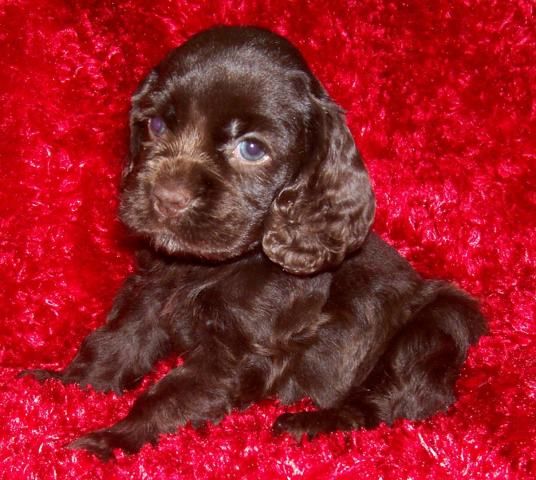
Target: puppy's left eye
(250, 150)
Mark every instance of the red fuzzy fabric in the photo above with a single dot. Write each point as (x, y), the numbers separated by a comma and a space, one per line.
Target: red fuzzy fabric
(440, 98)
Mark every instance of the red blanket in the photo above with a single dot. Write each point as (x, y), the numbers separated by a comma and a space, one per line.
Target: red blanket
(440, 98)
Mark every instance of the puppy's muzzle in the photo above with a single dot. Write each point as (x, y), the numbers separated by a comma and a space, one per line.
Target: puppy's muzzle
(170, 197)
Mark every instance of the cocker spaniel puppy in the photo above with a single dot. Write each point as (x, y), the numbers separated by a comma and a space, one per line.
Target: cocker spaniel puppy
(260, 267)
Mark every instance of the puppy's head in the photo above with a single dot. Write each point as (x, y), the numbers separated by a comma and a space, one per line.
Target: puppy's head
(236, 145)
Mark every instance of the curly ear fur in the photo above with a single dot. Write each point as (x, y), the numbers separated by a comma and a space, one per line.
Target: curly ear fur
(327, 211)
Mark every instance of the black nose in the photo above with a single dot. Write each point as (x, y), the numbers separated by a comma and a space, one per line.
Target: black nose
(170, 197)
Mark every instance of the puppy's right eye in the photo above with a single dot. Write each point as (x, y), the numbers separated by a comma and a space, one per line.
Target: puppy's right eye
(157, 126)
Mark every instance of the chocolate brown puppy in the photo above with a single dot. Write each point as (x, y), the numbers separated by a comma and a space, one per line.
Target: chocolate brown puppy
(258, 265)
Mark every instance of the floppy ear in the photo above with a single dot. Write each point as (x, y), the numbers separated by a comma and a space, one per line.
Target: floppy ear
(136, 120)
(327, 211)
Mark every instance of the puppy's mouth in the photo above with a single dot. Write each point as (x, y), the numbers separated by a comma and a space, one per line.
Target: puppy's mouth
(191, 230)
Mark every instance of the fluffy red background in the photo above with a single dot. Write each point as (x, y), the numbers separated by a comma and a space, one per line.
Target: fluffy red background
(439, 96)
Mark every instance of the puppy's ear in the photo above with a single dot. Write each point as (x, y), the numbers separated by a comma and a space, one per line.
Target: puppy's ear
(137, 119)
(327, 211)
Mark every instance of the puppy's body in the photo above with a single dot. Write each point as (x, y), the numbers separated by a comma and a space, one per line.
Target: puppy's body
(245, 180)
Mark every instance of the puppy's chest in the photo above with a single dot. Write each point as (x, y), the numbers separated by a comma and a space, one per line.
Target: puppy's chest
(247, 304)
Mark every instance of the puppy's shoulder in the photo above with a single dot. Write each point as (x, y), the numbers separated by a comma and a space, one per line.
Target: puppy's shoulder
(377, 260)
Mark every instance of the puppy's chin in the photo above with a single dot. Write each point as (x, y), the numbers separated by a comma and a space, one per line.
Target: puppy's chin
(193, 233)
(165, 240)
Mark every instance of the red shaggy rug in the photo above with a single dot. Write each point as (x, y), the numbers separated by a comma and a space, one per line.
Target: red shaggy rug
(440, 98)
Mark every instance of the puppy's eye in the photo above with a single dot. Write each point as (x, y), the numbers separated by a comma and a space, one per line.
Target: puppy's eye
(157, 126)
(250, 150)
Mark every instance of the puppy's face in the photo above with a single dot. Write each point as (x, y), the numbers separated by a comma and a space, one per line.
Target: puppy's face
(218, 130)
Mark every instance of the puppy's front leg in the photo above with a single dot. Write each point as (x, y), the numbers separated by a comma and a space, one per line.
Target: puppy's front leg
(198, 392)
(118, 354)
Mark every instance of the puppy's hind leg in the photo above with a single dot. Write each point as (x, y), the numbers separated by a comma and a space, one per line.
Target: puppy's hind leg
(415, 376)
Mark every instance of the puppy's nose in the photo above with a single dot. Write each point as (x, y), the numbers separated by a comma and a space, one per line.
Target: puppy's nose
(170, 198)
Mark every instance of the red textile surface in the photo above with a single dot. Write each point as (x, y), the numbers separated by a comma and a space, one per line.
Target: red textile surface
(440, 98)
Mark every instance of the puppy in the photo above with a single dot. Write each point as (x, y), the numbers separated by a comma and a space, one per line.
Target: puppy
(259, 266)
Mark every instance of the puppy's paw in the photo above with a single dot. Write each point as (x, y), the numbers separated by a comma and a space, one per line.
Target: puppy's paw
(312, 424)
(100, 443)
(40, 374)
(116, 384)
(124, 435)
(296, 424)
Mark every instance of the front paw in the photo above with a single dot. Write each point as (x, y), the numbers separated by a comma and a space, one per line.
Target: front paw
(83, 379)
(121, 436)
(40, 374)
(102, 443)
